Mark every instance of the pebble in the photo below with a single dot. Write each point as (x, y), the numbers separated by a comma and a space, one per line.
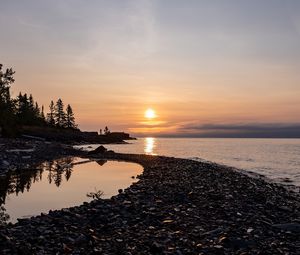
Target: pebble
(178, 206)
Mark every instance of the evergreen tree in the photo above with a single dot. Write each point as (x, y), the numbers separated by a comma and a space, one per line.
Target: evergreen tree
(20, 105)
(43, 114)
(50, 115)
(37, 111)
(31, 104)
(28, 111)
(70, 119)
(6, 104)
(39, 118)
(22, 111)
(25, 111)
(59, 114)
(6, 79)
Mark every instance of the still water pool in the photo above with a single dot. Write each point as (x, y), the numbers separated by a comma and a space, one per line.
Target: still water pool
(62, 183)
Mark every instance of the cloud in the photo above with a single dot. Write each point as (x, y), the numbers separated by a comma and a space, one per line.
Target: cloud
(252, 130)
(154, 128)
(237, 130)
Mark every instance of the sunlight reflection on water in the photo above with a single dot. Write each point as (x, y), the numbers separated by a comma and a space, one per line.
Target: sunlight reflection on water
(277, 159)
(149, 146)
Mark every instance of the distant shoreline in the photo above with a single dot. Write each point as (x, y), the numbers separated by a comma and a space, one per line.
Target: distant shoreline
(212, 137)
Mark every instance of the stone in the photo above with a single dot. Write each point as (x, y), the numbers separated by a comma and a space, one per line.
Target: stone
(100, 150)
(169, 210)
(292, 227)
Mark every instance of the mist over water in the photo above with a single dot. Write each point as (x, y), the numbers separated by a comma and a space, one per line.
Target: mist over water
(277, 159)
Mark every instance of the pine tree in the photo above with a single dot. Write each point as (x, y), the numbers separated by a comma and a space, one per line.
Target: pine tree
(31, 104)
(27, 111)
(6, 79)
(43, 114)
(50, 115)
(70, 119)
(23, 110)
(20, 105)
(59, 114)
(6, 104)
(37, 111)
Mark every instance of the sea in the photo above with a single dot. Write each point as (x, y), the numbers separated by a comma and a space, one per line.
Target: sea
(276, 159)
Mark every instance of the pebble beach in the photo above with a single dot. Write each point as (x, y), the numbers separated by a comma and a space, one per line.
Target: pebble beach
(177, 206)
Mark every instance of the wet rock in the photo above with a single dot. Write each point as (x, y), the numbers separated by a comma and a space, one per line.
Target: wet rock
(213, 232)
(236, 243)
(177, 206)
(81, 239)
(100, 150)
(156, 248)
(5, 163)
(26, 157)
(24, 154)
(292, 227)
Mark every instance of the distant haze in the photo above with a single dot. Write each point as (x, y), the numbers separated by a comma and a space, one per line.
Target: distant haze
(208, 68)
(240, 131)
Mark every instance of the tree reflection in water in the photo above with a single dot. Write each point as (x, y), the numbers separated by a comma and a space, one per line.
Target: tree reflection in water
(20, 181)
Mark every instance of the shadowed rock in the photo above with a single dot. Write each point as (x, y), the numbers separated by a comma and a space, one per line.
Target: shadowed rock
(292, 227)
(100, 150)
(177, 206)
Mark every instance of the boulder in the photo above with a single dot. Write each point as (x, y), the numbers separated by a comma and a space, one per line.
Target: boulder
(100, 150)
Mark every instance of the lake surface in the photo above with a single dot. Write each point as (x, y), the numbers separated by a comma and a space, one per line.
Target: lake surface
(277, 159)
(63, 183)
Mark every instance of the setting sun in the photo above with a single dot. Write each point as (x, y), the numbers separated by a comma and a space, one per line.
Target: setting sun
(150, 114)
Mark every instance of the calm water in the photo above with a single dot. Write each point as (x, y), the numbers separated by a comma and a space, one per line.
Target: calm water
(61, 184)
(278, 159)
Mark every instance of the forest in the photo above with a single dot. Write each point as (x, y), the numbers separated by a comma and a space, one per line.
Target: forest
(25, 111)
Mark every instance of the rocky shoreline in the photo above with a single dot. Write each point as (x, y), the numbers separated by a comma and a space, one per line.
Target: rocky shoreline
(178, 206)
(26, 154)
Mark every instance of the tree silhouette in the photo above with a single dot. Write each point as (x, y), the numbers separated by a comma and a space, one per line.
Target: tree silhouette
(25, 111)
(59, 114)
(22, 106)
(50, 115)
(70, 119)
(31, 104)
(28, 111)
(6, 104)
(43, 114)
(37, 110)
(6, 79)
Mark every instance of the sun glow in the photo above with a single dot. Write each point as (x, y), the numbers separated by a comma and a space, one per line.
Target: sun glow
(150, 114)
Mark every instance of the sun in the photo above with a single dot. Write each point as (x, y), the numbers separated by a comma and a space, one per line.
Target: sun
(150, 114)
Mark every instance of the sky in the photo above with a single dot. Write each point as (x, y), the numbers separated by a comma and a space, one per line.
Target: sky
(205, 67)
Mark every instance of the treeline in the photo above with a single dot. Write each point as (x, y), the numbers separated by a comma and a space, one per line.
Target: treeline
(24, 111)
(57, 117)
